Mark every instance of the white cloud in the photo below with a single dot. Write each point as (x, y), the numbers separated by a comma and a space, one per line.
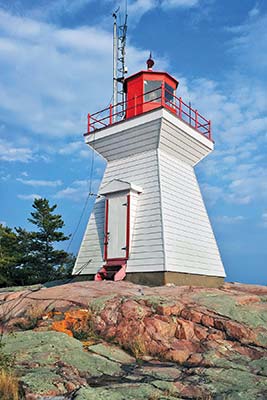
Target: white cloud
(226, 219)
(28, 196)
(179, 3)
(9, 152)
(77, 148)
(137, 8)
(250, 42)
(5, 177)
(36, 182)
(254, 12)
(53, 97)
(264, 220)
(78, 190)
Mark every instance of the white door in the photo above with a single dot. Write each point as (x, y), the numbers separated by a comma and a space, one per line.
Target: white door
(117, 227)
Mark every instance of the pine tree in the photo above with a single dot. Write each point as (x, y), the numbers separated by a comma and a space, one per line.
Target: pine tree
(46, 262)
(9, 255)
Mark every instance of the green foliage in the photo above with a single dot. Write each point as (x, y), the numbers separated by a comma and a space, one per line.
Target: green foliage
(26, 257)
(6, 360)
(9, 254)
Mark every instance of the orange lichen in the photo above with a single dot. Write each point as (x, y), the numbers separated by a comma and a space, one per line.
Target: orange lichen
(74, 321)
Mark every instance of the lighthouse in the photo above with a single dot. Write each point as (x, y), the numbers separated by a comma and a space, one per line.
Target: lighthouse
(149, 224)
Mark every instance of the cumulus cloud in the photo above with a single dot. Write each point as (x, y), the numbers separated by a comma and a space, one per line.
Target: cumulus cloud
(36, 182)
(254, 12)
(9, 152)
(77, 148)
(78, 190)
(264, 220)
(226, 219)
(179, 3)
(250, 42)
(28, 196)
(53, 76)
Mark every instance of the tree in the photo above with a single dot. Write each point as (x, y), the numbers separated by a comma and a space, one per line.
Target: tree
(9, 255)
(31, 257)
(46, 262)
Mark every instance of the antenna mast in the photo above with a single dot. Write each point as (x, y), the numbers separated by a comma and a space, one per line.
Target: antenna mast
(115, 58)
(119, 67)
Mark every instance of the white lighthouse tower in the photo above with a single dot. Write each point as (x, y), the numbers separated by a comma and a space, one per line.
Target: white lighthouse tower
(149, 224)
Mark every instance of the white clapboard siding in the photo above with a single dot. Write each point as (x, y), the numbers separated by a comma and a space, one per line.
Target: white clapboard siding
(169, 228)
(177, 142)
(128, 142)
(146, 223)
(90, 256)
(185, 233)
(134, 197)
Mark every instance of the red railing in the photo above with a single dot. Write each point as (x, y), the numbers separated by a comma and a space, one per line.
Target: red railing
(116, 113)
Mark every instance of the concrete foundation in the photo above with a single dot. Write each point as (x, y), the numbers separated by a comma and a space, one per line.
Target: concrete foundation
(163, 278)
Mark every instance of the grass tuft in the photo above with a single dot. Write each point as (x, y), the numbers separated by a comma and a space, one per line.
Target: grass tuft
(9, 386)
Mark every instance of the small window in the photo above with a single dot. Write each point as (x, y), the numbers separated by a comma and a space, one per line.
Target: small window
(169, 93)
(154, 89)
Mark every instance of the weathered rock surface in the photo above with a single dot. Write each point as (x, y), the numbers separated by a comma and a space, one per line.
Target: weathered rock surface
(90, 340)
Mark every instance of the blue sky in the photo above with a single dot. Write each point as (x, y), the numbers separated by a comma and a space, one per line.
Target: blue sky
(56, 66)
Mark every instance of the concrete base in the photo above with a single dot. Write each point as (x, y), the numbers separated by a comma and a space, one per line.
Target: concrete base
(177, 278)
(163, 278)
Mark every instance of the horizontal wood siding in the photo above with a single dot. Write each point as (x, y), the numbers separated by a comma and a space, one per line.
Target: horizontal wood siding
(129, 142)
(90, 256)
(190, 245)
(146, 239)
(178, 143)
(133, 210)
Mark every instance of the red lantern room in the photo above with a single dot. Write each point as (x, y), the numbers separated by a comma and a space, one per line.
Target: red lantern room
(147, 90)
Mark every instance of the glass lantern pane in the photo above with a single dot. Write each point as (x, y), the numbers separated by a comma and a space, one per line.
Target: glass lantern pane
(152, 91)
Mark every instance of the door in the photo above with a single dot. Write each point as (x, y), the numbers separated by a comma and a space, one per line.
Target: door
(116, 227)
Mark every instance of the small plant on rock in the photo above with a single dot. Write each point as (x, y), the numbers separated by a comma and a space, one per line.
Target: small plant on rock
(9, 386)
(31, 318)
(138, 347)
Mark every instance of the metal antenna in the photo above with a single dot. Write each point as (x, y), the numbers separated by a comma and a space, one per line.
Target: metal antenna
(119, 53)
(115, 57)
(122, 69)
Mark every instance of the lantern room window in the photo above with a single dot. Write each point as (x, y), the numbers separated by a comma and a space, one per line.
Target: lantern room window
(169, 93)
(152, 90)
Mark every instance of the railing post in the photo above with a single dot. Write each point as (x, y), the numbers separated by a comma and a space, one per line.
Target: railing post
(162, 95)
(196, 119)
(180, 107)
(135, 105)
(88, 122)
(110, 114)
(209, 133)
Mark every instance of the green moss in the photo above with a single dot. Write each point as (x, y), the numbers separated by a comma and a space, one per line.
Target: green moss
(231, 360)
(97, 305)
(21, 288)
(232, 383)
(262, 338)
(112, 353)
(46, 348)
(260, 366)
(41, 380)
(167, 387)
(121, 392)
(226, 305)
(166, 373)
(154, 301)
